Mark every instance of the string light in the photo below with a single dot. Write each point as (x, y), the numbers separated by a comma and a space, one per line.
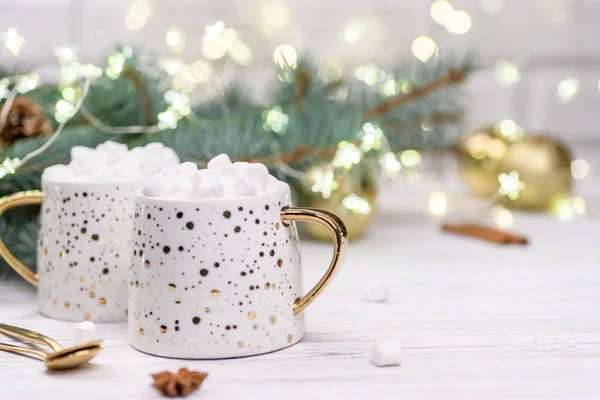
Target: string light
(285, 56)
(13, 41)
(4, 91)
(372, 135)
(347, 155)
(241, 53)
(563, 209)
(354, 31)
(9, 166)
(115, 65)
(567, 89)
(424, 48)
(274, 17)
(503, 218)
(175, 38)
(27, 83)
(369, 74)
(217, 40)
(390, 87)
(510, 185)
(510, 130)
(390, 163)
(507, 73)
(324, 183)
(137, 15)
(491, 7)
(170, 66)
(275, 120)
(440, 10)
(357, 204)
(458, 22)
(579, 168)
(410, 158)
(438, 203)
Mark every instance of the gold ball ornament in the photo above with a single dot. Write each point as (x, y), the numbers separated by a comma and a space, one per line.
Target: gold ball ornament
(480, 154)
(526, 171)
(349, 194)
(544, 167)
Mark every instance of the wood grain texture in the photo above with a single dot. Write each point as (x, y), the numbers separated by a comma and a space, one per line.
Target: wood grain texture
(475, 320)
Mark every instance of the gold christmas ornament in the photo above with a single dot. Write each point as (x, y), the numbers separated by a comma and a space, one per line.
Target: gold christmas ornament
(480, 154)
(525, 171)
(544, 168)
(351, 194)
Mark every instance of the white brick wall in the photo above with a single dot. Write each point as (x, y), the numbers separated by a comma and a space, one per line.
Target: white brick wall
(549, 39)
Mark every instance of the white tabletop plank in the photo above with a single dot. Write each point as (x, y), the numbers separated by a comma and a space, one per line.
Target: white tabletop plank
(475, 320)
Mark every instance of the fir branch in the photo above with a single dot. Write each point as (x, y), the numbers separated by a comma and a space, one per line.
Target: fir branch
(141, 89)
(453, 77)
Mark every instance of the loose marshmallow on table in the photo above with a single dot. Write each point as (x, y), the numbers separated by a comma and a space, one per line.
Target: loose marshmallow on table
(386, 353)
(376, 292)
(112, 161)
(85, 332)
(222, 179)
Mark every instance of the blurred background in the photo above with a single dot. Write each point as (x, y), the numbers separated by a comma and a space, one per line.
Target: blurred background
(542, 54)
(476, 109)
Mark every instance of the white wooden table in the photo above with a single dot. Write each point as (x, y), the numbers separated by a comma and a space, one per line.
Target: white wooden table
(476, 321)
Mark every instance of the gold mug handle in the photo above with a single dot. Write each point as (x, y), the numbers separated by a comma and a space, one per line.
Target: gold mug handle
(27, 198)
(338, 232)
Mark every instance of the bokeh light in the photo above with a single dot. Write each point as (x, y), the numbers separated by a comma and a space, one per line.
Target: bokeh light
(285, 56)
(424, 48)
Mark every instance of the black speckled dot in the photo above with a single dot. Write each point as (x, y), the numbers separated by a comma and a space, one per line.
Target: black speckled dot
(203, 272)
(166, 249)
(237, 229)
(196, 320)
(95, 236)
(190, 225)
(227, 214)
(179, 214)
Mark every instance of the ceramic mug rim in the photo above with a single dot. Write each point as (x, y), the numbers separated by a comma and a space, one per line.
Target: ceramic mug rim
(140, 196)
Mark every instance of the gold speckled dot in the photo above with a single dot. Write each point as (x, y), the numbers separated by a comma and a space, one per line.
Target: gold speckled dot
(274, 286)
(82, 279)
(240, 344)
(214, 293)
(102, 300)
(67, 304)
(251, 315)
(207, 310)
(86, 316)
(267, 285)
(277, 225)
(177, 300)
(54, 302)
(172, 287)
(137, 321)
(141, 331)
(45, 250)
(92, 295)
(289, 338)
(255, 326)
(273, 319)
(163, 329)
(147, 264)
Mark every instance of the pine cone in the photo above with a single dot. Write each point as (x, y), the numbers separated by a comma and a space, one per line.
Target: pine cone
(25, 119)
(181, 384)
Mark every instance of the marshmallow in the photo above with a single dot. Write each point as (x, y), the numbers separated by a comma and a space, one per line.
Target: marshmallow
(376, 293)
(222, 179)
(386, 353)
(85, 332)
(258, 174)
(59, 173)
(176, 196)
(219, 162)
(211, 188)
(159, 186)
(243, 187)
(112, 161)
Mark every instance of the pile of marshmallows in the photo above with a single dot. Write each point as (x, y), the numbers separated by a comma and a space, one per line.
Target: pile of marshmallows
(112, 161)
(221, 179)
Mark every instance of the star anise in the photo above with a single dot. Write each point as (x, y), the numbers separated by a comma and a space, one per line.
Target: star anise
(181, 383)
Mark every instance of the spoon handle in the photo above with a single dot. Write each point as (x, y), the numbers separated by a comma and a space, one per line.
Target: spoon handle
(24, 351)
(29, 336)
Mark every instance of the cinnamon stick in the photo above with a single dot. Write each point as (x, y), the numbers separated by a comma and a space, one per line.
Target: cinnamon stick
(485, 233)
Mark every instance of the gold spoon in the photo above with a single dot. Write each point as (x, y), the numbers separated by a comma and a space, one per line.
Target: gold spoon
(61, 358)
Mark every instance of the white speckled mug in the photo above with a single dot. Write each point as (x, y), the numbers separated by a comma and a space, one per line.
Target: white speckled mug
(83, 248)
(221, 278)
